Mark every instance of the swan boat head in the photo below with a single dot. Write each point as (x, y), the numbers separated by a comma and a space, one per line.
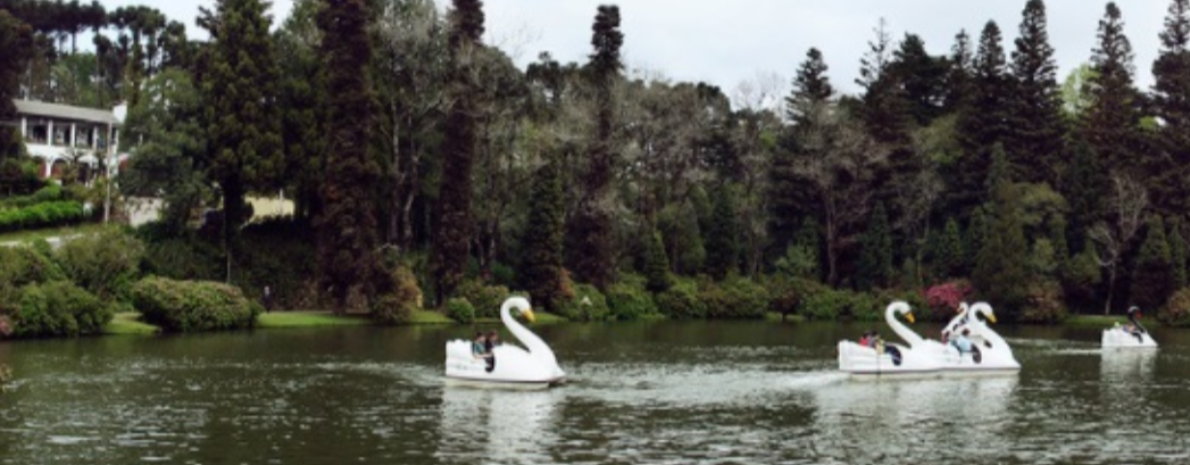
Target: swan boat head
(521, 305)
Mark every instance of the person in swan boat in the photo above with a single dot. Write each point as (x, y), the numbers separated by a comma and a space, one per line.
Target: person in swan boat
(479, 345)
(872, 339)
(492, 341)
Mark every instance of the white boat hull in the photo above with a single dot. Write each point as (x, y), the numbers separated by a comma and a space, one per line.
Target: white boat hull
(864, 362)
(1119, 338)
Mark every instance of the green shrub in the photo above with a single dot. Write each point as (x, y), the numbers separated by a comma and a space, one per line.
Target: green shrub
(59, 309)
(1045, 303)
(1176, 312)
(21, 266)
(629, 301)
(734, 298)
(183, 258)
(42, 215)
(484, 298)
(106, 264)
(49, 193)
(681, 301)
(187, 306)
(460, 310)
(815, 300)
(400, 299)
(588, 304)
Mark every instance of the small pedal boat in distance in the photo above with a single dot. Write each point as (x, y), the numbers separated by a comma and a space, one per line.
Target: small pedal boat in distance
(1134, 336)
(516, 368)
(890, 359)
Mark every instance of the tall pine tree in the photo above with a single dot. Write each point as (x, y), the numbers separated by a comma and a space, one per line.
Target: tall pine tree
(243, 123)
(1035, 138)
(1153, 281)
(1002, 263)
(347, 226)
(1110, 125)
(959, 75)
(876, 256)
(983, 124)
(544, 234)
(590, 243)
(722, 238)
(16, 39)
(454, 225)
(1177, 253)
(948, 254)
(788, 195)
(1171, 101)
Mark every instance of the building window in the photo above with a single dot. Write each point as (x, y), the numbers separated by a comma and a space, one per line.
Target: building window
(37, 131)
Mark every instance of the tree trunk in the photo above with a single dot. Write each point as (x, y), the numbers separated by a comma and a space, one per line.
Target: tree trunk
(1111, 287)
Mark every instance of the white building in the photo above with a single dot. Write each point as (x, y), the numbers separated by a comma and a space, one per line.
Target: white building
(58, 134)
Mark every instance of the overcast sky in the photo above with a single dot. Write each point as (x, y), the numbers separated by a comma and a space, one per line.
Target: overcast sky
(728, 41)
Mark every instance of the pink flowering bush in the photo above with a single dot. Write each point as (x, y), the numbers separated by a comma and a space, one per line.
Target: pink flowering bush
(946, 297)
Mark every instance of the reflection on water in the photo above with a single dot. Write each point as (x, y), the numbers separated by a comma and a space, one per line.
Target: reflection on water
(666, 392)
(499, 426)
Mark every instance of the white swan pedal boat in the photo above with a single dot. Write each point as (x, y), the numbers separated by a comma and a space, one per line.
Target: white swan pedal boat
(990, 353)
(890, 359)
(534, 367)
(1119, 337)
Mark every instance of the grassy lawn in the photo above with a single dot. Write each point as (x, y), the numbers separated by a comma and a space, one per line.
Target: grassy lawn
(307, 319)
(128, 323)
(542, 318)
(32, 235)
(774, 316)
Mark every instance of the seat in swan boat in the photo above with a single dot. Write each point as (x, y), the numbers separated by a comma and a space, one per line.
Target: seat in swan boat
(892, 359)
(532, 367)
(1133, 335)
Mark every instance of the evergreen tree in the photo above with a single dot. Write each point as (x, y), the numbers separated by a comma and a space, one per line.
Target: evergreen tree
(949, 251)
(302, 98)
(347, 227)
(1171, 102)
(788, 194)
(982, 126)
(1002, 263)
(590, 232)
(16, 40)
(1035, 142)
(243, 134)
(1085, 186)
(809, 239)
(1057, 237)
(722, 243)
(1177, 253)
(1153, 281)
(811, 88)
(959, 88)
(657, 264)
(977, 232)
(542, 266)
(454, 225)
(876, 257)
(1110, 124)
(1000, 172)
(884, 109)
(922, 78)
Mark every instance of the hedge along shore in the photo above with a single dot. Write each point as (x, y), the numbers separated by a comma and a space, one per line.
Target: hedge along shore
(130, 323)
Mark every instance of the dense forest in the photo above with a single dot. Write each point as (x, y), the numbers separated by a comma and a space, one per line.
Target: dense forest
(422, 160)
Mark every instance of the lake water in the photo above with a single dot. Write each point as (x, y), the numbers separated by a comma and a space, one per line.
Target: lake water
(660, 392)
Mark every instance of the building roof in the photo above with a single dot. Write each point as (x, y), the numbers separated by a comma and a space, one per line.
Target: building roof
(54, 110)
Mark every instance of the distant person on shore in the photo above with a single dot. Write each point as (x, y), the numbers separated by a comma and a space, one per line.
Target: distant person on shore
(267, 298)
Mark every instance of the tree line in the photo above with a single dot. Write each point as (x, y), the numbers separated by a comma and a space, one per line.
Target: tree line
(395, 128)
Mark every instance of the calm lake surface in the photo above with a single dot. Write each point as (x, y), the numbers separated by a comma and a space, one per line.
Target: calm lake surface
(660, 392)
